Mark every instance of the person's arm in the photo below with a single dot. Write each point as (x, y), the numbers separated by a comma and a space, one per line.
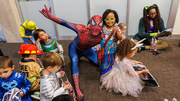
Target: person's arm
(60, 48)
(162, 27)
(47, 14)
(118, 33)
(37, 70)
(130, 70)
(26, 83)
(22, 33)
(137, 62)
(38, 44)
(60, 74)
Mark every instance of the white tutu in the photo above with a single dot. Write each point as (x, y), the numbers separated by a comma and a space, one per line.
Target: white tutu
(122, 78)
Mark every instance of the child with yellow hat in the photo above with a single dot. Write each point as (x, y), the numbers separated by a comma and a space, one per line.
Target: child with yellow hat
(26, 31)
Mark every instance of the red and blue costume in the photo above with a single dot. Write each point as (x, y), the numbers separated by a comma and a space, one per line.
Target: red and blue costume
(82, 43)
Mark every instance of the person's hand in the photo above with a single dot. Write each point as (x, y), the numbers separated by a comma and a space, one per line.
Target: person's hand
(118, 33)
(61, 52)
(62, 73)
(38, 40)
(46, 12)
(168, 33)
(88, 26)
(21, 93)
(116, 29)
(145, 71)
(138, 62)
(30, 37)
(68, 86)
(161, 34)
(164, 34)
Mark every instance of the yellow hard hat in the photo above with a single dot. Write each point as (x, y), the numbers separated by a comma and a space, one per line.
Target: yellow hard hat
(31, 25)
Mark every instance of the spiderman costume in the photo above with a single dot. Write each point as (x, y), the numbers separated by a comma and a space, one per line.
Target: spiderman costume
(82, 43)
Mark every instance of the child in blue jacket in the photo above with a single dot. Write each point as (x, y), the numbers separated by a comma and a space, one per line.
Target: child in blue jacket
(10, 79)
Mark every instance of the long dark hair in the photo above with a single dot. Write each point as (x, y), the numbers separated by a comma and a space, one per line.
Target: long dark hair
(157, 19)
(107, 12)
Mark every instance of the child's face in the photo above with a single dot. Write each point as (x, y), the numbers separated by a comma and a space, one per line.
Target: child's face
(55, 69)
(43, 35)
(123, 30)
(5, 73)
(110, 20)
(152, 13)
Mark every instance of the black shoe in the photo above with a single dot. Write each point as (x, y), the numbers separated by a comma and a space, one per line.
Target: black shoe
(141, 48)
(156, 52)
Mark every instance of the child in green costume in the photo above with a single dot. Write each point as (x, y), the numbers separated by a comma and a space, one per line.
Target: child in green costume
(47, 44)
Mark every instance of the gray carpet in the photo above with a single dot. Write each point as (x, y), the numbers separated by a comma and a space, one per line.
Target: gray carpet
(165, 67)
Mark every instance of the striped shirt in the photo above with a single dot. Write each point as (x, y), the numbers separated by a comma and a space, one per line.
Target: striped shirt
(50, 87)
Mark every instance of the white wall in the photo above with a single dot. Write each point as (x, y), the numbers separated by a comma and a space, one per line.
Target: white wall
(177, 23)
(73, 11)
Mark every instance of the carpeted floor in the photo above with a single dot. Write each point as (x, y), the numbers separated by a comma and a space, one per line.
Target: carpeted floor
(165, 67)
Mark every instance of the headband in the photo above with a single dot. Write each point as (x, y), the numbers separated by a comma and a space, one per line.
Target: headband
(147, 8)
(137, 44)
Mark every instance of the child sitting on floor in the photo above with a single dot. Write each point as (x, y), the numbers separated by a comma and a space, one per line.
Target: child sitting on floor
(29, 66)
(10, 79)
(49, 77)
(122, 77)
(47, 44)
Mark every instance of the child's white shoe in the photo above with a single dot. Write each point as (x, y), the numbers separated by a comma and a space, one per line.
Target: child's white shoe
(36, 95)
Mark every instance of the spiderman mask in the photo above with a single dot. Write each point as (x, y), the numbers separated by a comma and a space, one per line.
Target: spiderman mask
(96, 24)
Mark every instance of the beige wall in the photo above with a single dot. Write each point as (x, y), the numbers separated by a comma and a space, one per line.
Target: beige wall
(177, 22)
(10, 20)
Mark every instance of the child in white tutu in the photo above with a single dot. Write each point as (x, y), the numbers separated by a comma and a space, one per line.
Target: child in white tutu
(122, 78)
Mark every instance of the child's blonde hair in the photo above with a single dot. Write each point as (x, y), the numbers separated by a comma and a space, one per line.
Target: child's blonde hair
(124, 47)
(5, 62)
(121, 25)
(51, 59)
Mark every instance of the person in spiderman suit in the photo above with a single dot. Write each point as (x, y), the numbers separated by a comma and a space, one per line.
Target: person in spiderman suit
(82, 43)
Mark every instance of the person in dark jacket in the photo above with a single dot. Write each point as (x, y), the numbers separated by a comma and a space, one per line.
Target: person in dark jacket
(151, 25)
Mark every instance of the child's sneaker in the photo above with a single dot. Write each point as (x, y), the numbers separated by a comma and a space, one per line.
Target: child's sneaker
(36, 95)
